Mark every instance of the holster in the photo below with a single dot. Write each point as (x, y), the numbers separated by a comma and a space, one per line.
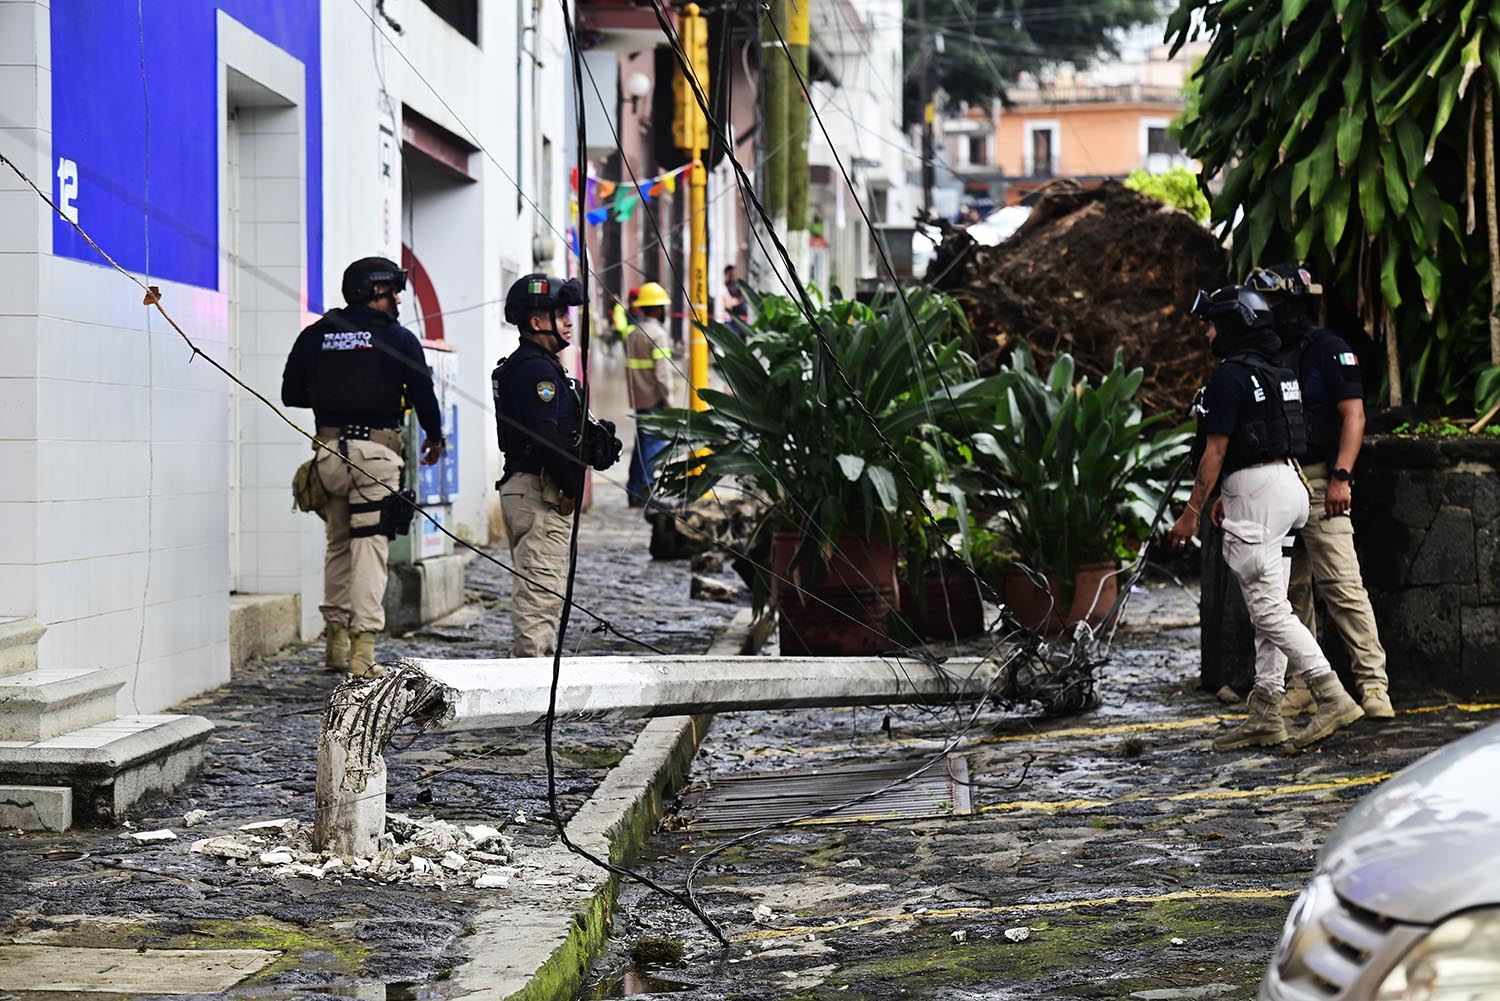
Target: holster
(396, 512)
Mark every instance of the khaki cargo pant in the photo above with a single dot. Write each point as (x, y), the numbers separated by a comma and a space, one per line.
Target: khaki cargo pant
(354, 564)
(1263, 505)
(538, 534)
(1324, 563)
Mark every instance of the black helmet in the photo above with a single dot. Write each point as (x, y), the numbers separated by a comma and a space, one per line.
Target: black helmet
(1293, 289)
(1238, 314)
(539, 293)
(361, 277)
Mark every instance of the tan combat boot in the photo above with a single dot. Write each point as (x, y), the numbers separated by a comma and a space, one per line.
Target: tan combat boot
(1335, 709)
(362, 657)
(1297, 701)
(1377, 704)
(336, 645)
(1263, 726)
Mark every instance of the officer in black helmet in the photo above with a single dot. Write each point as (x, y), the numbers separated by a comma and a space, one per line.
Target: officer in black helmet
(1250, 425)
(548, 440)
(1325, 562)
(357, 368)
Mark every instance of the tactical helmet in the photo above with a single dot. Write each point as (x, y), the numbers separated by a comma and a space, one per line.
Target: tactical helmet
(1289, 279)
(652, 294)
(361, 277)
(1291, 290)
(539, 293)
(1235, 306)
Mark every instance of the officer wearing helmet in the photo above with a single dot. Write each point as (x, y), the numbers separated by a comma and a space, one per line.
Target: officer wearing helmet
(548, 439)
(1250, 426)
(648, 377)
(1324, 561)
(357, 368)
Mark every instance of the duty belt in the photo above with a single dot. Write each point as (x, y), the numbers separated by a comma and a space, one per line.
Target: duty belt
(388, 437)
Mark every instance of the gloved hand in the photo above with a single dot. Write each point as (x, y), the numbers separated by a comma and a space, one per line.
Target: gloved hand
(604, 447)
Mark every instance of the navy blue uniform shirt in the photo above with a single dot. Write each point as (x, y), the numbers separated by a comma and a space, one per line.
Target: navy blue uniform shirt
(1229, 398)
(532, 389)
(1329, 372)
(536, 388)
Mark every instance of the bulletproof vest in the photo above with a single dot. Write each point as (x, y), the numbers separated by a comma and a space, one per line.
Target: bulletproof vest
(1280, 430)
(513, 440)
(1324, 423)
(510, 441)
(358, 368)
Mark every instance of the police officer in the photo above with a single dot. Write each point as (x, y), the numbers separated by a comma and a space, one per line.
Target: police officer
(1324, 561)
(648, 377)
(1250, 425)
(356, 368)
(547, 442)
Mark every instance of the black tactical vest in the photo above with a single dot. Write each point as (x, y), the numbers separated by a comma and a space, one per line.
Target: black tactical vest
(1280, 430)
(512, 439)
(1325, 424)
(358, 369)
(511, 443)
